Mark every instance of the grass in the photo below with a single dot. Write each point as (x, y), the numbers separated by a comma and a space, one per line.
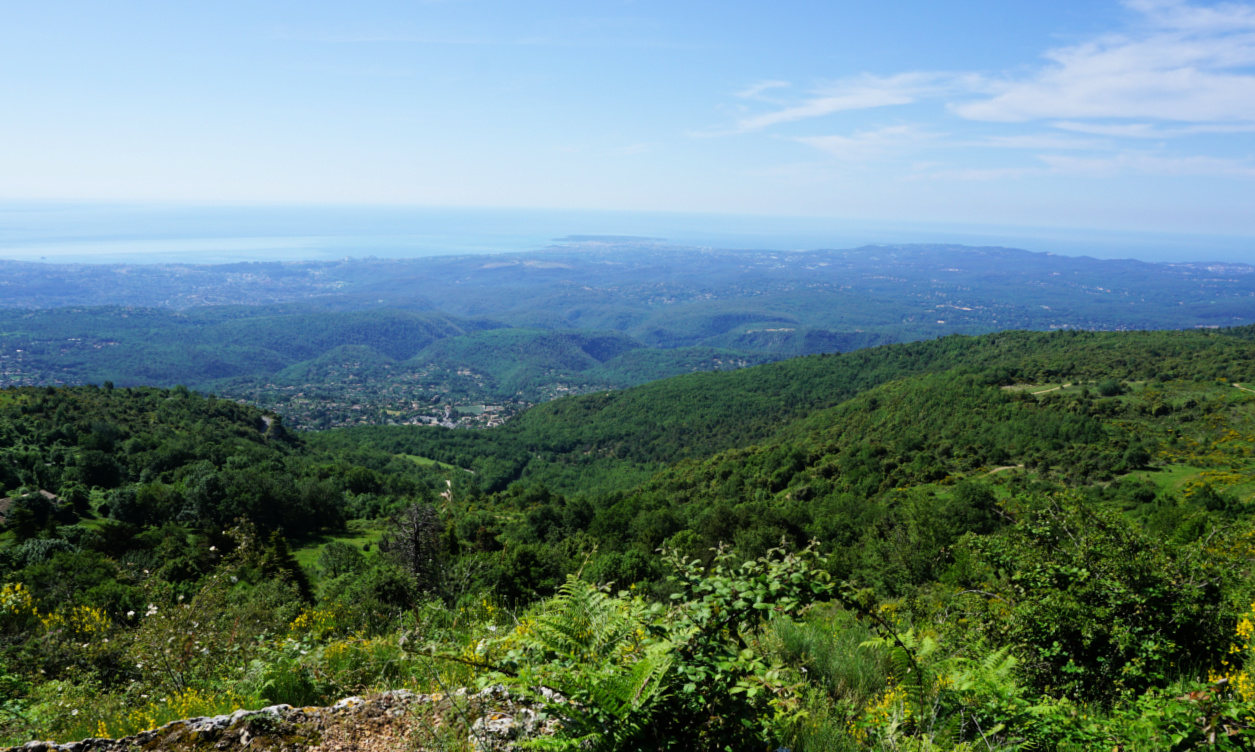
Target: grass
(7, 397)
(1168, 477)
(1245, 492)
(828, 644)
(112, 715)
(359, 533)
(1175, 479)
(428, 462)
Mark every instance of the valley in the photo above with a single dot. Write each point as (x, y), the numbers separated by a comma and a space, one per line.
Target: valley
(627, 377)
(1052, 487)
(373, 341)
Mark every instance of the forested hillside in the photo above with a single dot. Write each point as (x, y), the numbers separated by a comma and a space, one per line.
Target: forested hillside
(325, 368)
(439, 340)
(1017, 540)
(633, 432)
(144, 346)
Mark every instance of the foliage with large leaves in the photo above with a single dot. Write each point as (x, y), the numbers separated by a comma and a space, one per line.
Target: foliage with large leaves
(642, 675)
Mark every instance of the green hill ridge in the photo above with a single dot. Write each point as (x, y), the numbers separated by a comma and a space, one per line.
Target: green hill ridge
(1020, 539)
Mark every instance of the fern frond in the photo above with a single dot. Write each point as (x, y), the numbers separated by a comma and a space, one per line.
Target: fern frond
(647, 679)
(582, 621)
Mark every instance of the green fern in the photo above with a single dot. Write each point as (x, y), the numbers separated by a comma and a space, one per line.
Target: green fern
(950, 697)
(582, 621)
(587, 645)
(640, 675)
(993, 675)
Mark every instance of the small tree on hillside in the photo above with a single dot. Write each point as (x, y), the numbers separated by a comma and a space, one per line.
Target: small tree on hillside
(414, 542)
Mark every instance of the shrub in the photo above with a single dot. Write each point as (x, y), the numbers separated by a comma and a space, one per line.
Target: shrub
(641, 675)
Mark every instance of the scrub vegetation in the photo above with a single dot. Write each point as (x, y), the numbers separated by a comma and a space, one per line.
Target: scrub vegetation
(1010, 541)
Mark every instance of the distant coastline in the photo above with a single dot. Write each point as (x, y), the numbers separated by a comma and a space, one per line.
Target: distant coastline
(185, 233)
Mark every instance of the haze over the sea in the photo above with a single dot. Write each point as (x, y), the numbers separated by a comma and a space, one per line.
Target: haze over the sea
(135, 233)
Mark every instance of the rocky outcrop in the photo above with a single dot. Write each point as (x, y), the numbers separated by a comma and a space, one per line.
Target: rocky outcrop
(395, 720)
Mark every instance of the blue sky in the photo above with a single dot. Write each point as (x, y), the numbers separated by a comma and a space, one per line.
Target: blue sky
(1135, 115)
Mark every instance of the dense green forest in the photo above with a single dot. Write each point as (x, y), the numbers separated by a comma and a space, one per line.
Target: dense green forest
(1019, 540)
(407, 341)
(615, 439)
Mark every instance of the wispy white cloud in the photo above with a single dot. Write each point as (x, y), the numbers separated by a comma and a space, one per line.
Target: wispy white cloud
(793, 172)
(1175, 14)
(870, 144)
(1118, 130)
(1177, 70)
(897, 139)
(978, 173)
(1150, 130)
(755, 91)
(1148, 164)
(1107, 166)
(1051, 141)
(1185, 64)
(861, 93)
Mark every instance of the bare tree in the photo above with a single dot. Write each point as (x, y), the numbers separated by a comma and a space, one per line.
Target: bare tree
(413, 541)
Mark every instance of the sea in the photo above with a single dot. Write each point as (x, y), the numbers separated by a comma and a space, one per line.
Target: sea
(179, 233)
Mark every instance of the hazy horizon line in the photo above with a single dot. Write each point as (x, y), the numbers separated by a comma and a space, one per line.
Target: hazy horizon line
(176, 232)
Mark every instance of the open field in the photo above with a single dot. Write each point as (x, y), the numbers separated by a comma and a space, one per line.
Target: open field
(1169, 477)
(360, 533)
(428, 462)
